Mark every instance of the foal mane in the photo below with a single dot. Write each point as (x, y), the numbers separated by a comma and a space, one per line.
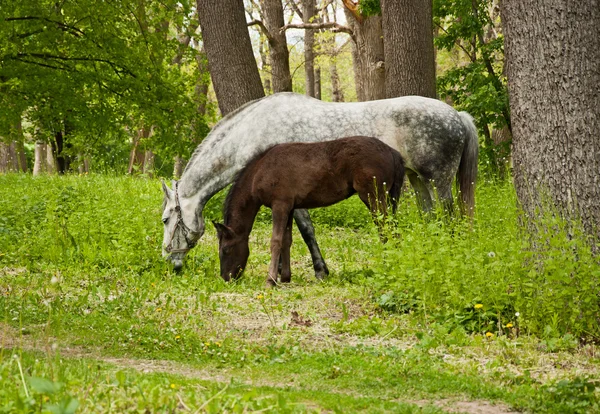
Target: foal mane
(236, 186)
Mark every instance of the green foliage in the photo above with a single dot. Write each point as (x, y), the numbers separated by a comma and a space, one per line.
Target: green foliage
(369, 7)
(98, 77)
(475, 82)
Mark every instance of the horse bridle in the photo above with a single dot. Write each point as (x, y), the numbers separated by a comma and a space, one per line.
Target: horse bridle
(181, 225)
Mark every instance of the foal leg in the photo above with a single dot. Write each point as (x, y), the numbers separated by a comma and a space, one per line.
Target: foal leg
(375, 198)
(286, 269)
(281, 213)
(307, 231)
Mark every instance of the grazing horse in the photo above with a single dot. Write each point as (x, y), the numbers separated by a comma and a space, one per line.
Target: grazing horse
(290, 176)
(436, 142)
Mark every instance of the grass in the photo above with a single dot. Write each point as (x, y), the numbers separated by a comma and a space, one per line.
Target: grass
(92, 319)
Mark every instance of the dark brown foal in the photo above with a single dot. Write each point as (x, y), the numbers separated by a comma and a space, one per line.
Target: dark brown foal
(299, 175)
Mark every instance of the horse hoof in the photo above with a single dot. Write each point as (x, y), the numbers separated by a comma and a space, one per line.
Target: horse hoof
(271, 283)
(322, 273)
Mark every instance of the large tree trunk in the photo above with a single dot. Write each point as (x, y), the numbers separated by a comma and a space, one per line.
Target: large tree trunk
(367, 55)
(227, 44)
(409, 56)
(308, 13)
(279, 57)
(553, 66)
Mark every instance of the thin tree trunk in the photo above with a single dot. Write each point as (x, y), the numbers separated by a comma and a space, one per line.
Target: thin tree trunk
(318, 82)
(279, 57)
(409, 54)
(149, 163)
(178, 165)
(308, 14)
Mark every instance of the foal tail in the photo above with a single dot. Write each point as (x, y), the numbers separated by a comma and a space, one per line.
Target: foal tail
(467, 169)
(398, 179)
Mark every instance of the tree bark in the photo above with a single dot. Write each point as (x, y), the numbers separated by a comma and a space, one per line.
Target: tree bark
(409, 57)
(308, 14)
(149, 163)
(8, 157)
(231, 61)
(39, 158)
(318, 82)
(367, 55)
(552, 52)
(279, 57)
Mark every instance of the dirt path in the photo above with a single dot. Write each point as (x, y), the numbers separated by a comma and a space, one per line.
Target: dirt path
(11, 339)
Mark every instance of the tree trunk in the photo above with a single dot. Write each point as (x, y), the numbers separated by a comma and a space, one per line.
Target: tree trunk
(308, 13)
(279, 57)
(39, 164)
(318, 82)
(51, 164)
(552, 62)
(231, 61)
(367, 56)
(409, 57)
(136, 157)
(178, 165)
(336, 90)
(149, 163)
(203, 81)
(8, 157)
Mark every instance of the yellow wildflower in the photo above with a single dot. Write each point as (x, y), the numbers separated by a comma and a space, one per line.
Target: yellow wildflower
(478, 306)
(177, 337)
(173, 386)
(509, 325)
(259, 297)
(158, 309)
(489, 335)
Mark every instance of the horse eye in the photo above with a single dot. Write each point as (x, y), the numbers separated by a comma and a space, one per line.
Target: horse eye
(165, 219)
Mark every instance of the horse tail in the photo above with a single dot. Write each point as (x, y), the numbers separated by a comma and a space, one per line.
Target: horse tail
(467, 169)
(398, 179)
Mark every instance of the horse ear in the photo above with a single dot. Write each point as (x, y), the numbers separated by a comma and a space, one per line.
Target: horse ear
(168, 192)
(223, 230)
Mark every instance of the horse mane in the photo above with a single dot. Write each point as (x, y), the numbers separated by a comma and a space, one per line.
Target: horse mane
(219, 124)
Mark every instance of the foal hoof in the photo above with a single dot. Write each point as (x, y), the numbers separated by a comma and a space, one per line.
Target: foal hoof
(271, 283)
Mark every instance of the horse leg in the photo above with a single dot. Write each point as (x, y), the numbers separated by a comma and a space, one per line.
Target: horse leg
(444, 192)
(281, 213)
(307, 231)
(423, 191)
(286, 270)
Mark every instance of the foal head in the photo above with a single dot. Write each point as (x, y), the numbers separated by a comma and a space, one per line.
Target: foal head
(233, 251)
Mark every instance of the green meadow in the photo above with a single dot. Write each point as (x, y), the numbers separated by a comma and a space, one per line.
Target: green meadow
(447, 316)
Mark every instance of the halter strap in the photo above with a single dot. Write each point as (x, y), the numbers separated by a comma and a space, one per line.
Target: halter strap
(181, 225)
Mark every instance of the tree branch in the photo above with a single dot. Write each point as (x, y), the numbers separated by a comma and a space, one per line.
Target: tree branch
(335, 27)
(263, 29)
(72, 29)
(296, 9)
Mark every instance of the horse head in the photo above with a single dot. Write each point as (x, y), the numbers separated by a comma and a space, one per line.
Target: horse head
(183, 225)
(233, 251)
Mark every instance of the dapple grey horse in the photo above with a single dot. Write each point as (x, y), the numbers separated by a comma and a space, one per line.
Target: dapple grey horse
(436, 142)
